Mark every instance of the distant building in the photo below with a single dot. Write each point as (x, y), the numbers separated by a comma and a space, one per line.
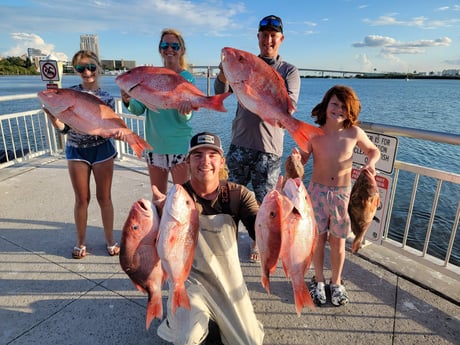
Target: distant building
(118, 65)
(451, 72)
(90, 42)
(35, 55)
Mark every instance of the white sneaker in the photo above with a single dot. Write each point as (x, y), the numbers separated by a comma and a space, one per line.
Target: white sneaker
(339, 295)
(320, 293)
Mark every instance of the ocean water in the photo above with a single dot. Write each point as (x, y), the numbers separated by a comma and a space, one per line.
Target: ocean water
(420, 104)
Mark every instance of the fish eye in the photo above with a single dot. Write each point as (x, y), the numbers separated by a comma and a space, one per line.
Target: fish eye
(135, 227)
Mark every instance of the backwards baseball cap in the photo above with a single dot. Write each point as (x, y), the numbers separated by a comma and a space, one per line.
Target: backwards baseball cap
(205, 139)
(271, 23)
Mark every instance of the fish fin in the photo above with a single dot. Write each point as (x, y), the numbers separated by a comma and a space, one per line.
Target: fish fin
(137, 144)
(180, 298)
(356, 245)
(217, 101)
(302, 132)
(266, 282)
(154, 309)
(302, 298)
(138, 287)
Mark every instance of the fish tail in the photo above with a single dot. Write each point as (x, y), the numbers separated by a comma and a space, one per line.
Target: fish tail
(356, 245)
(217, 101)
(137, 144)
(302, 132)
(266, 282)
(154, 310)
(302, 298)
(180, 298)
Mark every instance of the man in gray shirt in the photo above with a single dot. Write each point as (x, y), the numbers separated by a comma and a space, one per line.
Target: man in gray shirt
(256, 147)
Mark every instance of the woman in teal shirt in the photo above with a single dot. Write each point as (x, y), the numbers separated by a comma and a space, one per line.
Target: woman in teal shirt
(167, 130)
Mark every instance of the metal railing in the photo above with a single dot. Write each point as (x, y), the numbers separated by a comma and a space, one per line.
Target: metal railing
(29, 134)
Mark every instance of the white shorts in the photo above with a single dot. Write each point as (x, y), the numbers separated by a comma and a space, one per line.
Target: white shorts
(164, 161)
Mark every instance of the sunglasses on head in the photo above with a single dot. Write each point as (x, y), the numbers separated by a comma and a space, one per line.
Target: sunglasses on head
(270, 22)
(89, 66)
(174, 45)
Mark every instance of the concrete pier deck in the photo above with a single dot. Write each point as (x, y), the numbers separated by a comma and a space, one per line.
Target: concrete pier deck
(46, 297)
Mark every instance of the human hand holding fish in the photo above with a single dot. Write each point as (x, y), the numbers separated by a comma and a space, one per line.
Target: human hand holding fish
(261, 90)
(163, 88)
(88, 114)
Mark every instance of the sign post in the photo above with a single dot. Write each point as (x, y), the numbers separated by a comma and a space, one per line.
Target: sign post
(51, 71)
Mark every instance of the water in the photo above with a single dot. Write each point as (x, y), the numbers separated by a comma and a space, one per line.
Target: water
(421, 104)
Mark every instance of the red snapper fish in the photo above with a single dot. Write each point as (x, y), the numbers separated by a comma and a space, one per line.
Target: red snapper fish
(139, 257)
(87, 113)
(363, 204)
(160, 87)
(270, 220)
(261, 90)
(298, 242)
(177, 240)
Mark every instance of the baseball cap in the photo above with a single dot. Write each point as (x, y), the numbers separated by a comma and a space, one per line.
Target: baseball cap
(205, 139)
(271, 23)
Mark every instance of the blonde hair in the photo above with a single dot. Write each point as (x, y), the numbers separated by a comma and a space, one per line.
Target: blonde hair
(85, 54)
(183, 60)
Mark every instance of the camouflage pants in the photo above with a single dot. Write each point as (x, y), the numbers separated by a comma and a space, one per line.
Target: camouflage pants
(251, 166)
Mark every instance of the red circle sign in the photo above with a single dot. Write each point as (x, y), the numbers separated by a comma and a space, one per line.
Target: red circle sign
(49, 70)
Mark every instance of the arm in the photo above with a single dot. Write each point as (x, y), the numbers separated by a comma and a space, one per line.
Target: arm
(369, 149)
(58, 124)
(248, 211)
(293, 85)
(220, 83)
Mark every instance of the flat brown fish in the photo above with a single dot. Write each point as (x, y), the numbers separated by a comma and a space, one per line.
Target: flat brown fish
(364, 201)
(139, 257)
(161, 87)
(88, 114)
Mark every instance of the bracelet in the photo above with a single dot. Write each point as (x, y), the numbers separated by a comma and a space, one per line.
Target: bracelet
(65, 129)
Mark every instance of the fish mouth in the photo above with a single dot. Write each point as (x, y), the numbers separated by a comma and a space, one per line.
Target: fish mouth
(144, 205)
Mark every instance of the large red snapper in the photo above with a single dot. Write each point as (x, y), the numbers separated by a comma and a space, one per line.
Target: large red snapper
(363, 204)
(160, 87)
(261, 90)
(88, 114)
(139, 257)
(271, 218)
(298, 239)
(177, 240)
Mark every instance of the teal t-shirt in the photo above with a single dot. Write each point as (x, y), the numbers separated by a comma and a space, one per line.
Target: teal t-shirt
(166, 130)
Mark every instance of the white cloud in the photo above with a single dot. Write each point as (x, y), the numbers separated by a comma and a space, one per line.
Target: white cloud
(26, 40)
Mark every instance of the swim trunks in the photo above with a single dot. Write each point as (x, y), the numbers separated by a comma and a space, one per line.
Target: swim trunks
(330, 206)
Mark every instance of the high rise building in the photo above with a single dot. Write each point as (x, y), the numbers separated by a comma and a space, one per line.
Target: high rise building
(90, 42)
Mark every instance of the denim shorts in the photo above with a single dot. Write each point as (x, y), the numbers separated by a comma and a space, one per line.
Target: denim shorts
(91, 155)
(261, 169)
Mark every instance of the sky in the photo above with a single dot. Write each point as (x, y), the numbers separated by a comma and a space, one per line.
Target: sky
(354, 35)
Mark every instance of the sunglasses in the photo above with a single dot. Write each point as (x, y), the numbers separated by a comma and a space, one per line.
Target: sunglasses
(270, 22)
(174, 46)
(89, 66)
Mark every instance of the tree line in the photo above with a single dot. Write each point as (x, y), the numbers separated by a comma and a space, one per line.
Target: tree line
(15, 65)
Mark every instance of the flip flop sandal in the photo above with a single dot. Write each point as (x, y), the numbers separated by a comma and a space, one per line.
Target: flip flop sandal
(113, 250)
(254, 252)
(79, 252)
